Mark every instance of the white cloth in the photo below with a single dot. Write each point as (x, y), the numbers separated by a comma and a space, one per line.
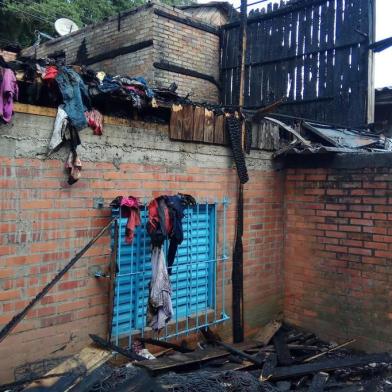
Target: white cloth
(160, 309)
(60, 125)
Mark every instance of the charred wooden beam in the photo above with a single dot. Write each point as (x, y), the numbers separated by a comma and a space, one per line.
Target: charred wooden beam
(110, 346)
(318, 382)
(188, 22)
(282, 11)
(161, 343)
(7, 387)
(379, 46)
(212, 338)
(330, 350)
(165, 66)
(269, 367)
(282, 350)
(241, 354)
(111, 54)
(284, 372)
(299, 55)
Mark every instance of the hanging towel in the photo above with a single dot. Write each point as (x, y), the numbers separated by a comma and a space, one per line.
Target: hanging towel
(8, 92)
(130, 208)
(160, 309)
(60, 125)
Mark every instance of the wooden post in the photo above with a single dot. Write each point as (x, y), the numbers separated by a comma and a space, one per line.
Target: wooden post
(238, 268)
(371, 94)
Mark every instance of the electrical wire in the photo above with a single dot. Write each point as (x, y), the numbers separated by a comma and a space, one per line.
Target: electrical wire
(28, 14)
(84, 19)
(256, 2)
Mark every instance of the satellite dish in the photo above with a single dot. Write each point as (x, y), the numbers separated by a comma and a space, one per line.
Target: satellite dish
(65, 26)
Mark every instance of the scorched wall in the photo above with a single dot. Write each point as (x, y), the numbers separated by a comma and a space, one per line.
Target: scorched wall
(44, 222)
(338, 274)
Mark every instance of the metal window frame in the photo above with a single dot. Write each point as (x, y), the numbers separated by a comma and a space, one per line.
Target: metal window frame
(216, 226)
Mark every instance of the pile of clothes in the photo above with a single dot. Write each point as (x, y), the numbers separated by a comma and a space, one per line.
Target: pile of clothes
(165, 214)
(8, 91)
(135, 89)
(77, 92)
(76, 112)
(73, 115)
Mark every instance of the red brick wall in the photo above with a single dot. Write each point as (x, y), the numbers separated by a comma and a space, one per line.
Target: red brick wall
(44, 222)
(338, 274)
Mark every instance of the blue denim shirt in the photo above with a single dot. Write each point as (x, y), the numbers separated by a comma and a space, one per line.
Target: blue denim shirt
(75, 96)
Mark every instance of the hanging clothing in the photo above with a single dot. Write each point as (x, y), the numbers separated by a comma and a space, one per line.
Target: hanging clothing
(130, 209)
(109, 85)
(176, 209)
(159, 224)
(75, 96)
(100, 76)
(60, 125)
(160, 309)
(165, 215)
(95, 121)
(8, 92)
(50, 72)
(73, 163)
(74, 167)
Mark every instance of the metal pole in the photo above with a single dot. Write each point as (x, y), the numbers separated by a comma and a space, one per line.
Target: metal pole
(6, 330)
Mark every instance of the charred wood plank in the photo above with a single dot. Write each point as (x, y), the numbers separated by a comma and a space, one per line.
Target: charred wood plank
(161, 343)
(188, 22)
(166, 66)
(176, 120)
(187, 122)
(219, 130)
(282, 350)
(241, 354)
(268, 332)
(318, 382)
(19, 383)
(209, 126)
(269, 367)
(198, 124)
(77, 368)
(284, 372)
(330, 350)
(110, 346)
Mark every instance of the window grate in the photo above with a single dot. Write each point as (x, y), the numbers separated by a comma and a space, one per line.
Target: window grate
(196, 273)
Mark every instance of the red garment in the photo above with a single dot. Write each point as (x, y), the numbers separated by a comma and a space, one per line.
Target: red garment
(51, 72)
(95, 121)
(130, 208)
(153, 216)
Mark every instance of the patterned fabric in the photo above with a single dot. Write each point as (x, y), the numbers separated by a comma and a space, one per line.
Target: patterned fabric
(160, 309)
(8, 92)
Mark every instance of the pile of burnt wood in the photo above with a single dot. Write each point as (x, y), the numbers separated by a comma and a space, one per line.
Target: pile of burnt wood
(280, 358)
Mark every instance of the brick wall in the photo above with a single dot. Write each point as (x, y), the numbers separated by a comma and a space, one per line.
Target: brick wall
(44, 222)
(338, 275)
(173, 42)
(189, 48)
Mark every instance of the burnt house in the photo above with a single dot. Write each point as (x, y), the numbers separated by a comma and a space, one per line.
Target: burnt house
(314, 215)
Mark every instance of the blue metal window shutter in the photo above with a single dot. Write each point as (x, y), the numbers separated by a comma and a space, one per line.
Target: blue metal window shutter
(193, 275)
